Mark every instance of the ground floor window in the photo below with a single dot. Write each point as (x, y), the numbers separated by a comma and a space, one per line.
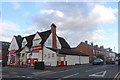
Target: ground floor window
(12, 59)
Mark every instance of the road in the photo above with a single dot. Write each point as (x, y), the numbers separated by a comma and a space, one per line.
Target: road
(96, 71)
(76, 72)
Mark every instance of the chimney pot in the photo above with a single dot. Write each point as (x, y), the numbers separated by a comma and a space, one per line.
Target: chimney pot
(86, 42)
(97, 46)
(91, 43)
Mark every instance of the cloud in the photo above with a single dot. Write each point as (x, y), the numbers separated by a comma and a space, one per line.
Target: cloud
(76, 21)
(59, 13)
(47, 11)
(31, 29)
(56, 12)
(99, 35)
(8, 29)
(104, 14)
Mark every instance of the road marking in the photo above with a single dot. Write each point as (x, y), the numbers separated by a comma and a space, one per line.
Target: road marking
(99, 74)
(24, 76)
(64, 71)
(37, 73)
(71, 75)
(117, 76)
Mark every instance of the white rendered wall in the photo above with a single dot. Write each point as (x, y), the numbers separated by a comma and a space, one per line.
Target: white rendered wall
(48, 58)
(72, 59)
(84, 59)
(13, 45)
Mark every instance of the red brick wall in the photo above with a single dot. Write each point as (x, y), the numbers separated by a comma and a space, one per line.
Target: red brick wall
(53, 31)
(83, 47)
(4, 56)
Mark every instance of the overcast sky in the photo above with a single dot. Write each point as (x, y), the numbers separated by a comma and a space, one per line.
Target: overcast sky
(95, 22)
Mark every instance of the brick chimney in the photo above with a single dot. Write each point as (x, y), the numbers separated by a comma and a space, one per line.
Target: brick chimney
(86, 42)
(53, 31)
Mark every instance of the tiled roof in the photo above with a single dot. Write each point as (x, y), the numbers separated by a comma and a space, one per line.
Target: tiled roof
(63, 43)
(19, 40)
(67, 52)
(29, 40)
(44, 35)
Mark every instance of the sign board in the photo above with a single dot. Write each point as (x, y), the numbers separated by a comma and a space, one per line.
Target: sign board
(12, 51)
(36, 48)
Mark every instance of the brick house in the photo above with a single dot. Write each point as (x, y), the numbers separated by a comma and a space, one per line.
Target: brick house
(4, 52)
(93, 50)
(86, 49)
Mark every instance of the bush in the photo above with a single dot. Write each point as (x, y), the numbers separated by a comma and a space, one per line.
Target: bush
(100, 56)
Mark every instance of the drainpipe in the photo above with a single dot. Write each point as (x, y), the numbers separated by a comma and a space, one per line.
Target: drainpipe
(42, 52)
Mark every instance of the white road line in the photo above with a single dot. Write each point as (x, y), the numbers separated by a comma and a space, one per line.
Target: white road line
(71, 75)
(29, 77)
(24, 77)
(98, 74)
(37, 73)
(66, 70)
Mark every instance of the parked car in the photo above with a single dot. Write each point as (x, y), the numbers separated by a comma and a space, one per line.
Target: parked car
(118, 61)
(98, 61)
(110, 61)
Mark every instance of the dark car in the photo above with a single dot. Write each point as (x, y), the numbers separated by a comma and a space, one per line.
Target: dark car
(110, 61)
(98, 61)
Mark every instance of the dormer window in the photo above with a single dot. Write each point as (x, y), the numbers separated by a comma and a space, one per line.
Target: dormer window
(24, 42)
(36, 42)
(37, 39)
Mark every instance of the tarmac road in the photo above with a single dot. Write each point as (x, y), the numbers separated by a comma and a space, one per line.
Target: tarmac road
(69, 72)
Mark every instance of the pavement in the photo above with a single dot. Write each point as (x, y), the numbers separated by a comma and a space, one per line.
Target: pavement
(88, 71)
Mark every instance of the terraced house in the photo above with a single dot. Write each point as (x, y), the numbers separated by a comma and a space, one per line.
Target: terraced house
(94, 50)
(44, 46)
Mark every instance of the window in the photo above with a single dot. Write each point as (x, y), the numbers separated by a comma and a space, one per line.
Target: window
(3, 43)
(24, 43)
(48, 55)
(12, 58)
(48, 43)
(52, 54)
(36, 42)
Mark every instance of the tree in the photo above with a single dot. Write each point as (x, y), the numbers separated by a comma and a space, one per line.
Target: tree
(100, 56)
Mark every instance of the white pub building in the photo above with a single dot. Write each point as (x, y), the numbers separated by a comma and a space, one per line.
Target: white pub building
(43, 46)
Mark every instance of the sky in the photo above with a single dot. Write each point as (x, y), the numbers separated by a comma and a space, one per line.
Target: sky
(77, 22)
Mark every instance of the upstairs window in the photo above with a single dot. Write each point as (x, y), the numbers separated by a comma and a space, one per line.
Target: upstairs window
(24, 43)
(36, 42)
(48, 42)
